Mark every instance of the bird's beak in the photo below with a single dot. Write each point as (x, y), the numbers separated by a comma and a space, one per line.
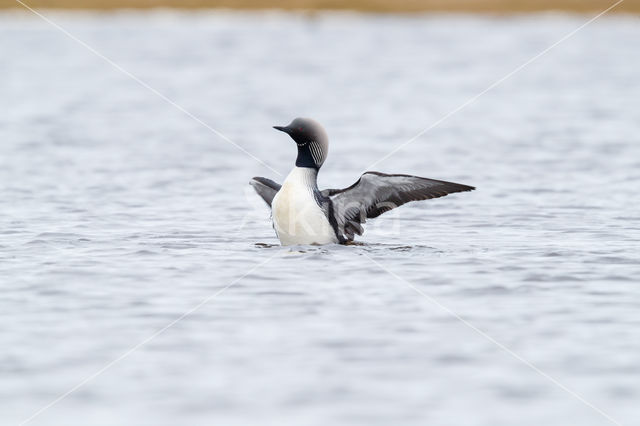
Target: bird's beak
(282, 128)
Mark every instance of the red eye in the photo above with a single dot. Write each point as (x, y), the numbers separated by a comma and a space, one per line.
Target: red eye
(300, 128)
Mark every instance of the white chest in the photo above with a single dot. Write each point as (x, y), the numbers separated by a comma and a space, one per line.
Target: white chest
(297, 217)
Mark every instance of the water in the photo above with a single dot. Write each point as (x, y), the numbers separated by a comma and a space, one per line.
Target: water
(119, 213)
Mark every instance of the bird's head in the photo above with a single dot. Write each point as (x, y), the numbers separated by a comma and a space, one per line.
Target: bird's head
(312, 141)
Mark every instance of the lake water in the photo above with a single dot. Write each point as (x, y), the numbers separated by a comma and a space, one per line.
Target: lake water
(120, 213)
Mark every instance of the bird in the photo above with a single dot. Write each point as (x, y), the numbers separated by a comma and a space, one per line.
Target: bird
(304, 215)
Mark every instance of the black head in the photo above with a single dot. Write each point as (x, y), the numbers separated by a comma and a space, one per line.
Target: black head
(312, 141)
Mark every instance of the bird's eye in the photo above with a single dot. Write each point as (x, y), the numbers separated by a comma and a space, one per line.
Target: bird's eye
(300, 128)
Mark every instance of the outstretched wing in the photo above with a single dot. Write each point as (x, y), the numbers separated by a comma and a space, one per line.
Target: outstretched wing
(375, 193)
(266, 188)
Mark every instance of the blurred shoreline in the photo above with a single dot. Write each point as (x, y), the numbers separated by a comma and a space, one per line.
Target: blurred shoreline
(378, 6)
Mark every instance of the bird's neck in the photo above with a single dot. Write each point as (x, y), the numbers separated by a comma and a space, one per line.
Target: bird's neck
(304, 176)
(305, 159)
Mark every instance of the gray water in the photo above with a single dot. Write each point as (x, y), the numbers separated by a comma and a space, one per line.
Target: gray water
(119, 214)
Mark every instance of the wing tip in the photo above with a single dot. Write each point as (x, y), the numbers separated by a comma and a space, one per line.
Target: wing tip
(266, 188)
(262, 181)
(459, 187)
(462, 186)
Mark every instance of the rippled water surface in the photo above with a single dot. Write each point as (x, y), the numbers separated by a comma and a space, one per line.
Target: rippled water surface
(120, 214)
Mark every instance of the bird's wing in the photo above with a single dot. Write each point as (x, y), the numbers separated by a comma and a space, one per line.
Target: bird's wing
(266, 188)
(375, 193)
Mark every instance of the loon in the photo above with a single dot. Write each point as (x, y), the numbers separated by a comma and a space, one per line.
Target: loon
(302, 214)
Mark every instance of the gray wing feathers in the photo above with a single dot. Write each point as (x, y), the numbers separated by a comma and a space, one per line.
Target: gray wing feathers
(266, 188)
(375, 193)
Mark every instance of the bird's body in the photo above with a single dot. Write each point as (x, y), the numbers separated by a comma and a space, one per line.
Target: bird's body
(302, 214)
(297, 213)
